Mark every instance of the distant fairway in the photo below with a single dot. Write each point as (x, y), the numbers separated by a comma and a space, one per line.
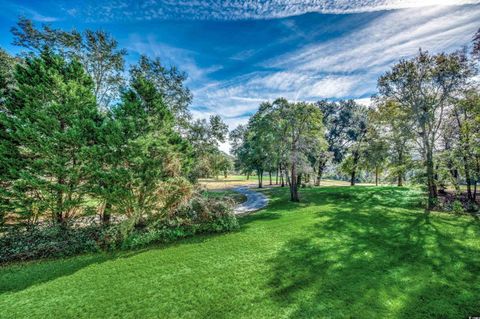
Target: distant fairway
(241, 180)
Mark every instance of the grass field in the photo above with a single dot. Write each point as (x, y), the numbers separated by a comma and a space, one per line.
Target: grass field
(229, 182)
(361, 252)
(240, 180)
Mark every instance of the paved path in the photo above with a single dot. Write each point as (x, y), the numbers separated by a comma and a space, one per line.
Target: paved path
(255, 201)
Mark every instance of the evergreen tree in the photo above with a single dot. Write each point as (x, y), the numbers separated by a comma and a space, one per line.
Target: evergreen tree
(50, 120)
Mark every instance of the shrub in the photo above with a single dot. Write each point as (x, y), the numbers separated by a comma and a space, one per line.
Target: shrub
(457, 207)
(199, 215)
(46, 241)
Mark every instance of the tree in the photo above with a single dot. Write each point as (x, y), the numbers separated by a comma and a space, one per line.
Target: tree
(463, 124)
(97, 51)
(423, 86)
(170, 83)
(141, 155)
(395, 124)
(341, 120)
(51, 121)
(221, 163)
(350, 129)
(374, 151)
(301, 130)
(205, 137)
(10, 158)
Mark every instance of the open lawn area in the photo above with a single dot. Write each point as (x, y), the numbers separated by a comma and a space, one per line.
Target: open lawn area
(343, 252)
(241, 180)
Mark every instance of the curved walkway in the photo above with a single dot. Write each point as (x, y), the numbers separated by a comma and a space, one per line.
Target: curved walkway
(255, 201)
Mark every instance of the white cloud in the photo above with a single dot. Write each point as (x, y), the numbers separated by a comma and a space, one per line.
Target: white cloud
(246, 9)
(150, 46)
(345, 67)
(386, 39)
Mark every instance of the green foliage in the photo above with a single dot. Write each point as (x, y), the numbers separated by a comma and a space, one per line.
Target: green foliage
(47, 241)
(199, 215)
(51, 119)
(170, 83)
(421, 86)
(205, 137)
(97, 51)
(457, 207)
(281, 135)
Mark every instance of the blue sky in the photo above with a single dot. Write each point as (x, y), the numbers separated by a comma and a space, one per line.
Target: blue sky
(239, 53)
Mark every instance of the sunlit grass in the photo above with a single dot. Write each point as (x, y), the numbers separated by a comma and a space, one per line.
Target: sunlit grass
(362, 252)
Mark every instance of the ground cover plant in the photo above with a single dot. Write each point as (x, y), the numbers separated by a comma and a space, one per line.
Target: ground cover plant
(364, 252)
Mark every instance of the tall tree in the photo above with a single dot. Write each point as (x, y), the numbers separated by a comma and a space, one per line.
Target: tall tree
(301, 130)
(423, 86)
(51, 119)
(97, 51)
(341, 121)
(142, 155)
(395, 123)
(171, 83)
(205, 137)
(374, 151)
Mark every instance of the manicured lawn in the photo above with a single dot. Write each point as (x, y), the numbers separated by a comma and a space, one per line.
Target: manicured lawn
(362, 252)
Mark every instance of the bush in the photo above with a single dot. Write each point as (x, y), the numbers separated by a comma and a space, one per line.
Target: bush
(457, 207)
(46, 241)
(200, 216)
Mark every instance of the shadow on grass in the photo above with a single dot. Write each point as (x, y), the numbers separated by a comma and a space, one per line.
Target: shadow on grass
(19, 276)
(372, 255)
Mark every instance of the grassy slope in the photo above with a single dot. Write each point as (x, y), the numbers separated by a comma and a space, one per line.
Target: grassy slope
(360, 252)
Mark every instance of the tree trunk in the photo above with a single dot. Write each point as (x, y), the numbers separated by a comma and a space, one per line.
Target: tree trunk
(321, 167)
(376, 176)
(270, 176)
(294, 185)
(59, 208)
(468, 179)
(354, 169)
(107, 213)
(248, 176)
(400, 179)
(432, 188)
(225, 174)
(276, 177)
(352, 178)
(260, 178)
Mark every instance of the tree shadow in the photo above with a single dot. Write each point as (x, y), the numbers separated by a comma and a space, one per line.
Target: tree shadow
(19, 276)
(374, 255)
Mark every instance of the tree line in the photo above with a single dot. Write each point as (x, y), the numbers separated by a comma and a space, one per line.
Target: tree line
(423, 126)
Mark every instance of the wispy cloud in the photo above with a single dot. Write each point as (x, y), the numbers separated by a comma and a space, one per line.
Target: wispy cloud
(169, 55)
(244, 9)
(16, 10)
(344, 67)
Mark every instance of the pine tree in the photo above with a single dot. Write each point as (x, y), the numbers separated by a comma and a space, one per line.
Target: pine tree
(51, 120)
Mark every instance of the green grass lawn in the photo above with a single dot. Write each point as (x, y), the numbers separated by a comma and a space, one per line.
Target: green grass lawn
(361, 252)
